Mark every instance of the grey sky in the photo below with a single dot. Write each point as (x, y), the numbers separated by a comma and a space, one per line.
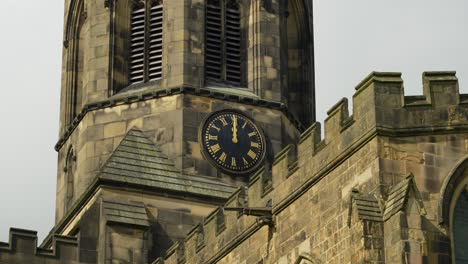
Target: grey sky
(352, 38)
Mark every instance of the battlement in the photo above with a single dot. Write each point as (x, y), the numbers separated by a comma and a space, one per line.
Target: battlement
(22, 248)
(380, 109)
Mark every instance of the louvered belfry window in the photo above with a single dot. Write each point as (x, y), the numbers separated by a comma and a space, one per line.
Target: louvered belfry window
(146, 42)
(223, 42)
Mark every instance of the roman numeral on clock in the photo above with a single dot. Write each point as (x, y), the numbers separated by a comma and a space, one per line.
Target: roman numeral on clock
(251, 154)
(223, 120)
(223, 157)
(215, 148)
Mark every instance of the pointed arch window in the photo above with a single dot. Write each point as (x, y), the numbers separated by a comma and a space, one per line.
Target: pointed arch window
(77, 47)
(223, 42)
(146, 33)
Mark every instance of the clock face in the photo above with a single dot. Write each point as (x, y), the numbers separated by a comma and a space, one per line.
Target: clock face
(232, 141)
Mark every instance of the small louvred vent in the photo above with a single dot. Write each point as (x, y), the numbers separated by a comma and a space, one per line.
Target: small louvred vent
(137, 45)
(233, 48)
(155, 42)
(214, 45)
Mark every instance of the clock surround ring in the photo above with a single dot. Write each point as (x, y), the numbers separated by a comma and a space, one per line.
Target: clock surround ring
(259, 140)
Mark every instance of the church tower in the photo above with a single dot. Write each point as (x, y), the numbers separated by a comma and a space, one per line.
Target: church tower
(168, 106)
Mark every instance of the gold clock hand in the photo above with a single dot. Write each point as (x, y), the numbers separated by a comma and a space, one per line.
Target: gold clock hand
(234, 129)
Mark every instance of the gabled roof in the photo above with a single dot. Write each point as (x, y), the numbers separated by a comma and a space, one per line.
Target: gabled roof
(367, 207)
(133, 213)
(398, 197)
(138, 161)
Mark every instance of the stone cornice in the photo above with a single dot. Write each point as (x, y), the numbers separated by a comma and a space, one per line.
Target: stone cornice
(148, 95)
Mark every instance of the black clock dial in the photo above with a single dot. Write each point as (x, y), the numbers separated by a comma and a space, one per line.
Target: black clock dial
(233, 142)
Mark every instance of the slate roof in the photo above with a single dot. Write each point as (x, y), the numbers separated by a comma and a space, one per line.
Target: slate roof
(368, 207)
(133, 213)
(398, 197)
(138, 161)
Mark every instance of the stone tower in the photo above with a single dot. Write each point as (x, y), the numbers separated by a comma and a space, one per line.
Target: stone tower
(139, 79)
(156, 97)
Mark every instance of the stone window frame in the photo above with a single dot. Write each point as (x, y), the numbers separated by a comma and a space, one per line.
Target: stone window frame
(120, 44)
(74, 93)
(452, 188)
(461, 192)
(151, 67)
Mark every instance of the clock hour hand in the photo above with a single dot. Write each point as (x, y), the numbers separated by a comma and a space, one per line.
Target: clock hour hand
(234, 129)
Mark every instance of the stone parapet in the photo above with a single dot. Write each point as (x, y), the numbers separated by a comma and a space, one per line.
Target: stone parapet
(306, 173)
(22, 248)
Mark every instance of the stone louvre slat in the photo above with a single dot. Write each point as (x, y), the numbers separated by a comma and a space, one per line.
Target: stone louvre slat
(397, 198)
(367, 203)
(364, 212)
(369, 211)
(367, 207)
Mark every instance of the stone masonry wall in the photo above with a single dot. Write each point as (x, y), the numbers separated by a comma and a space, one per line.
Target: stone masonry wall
(172, 122)
(312, 182)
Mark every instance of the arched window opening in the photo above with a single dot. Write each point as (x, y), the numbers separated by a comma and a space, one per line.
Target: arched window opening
(76, 42)
(223, 43)
(155, 41)
(453, 210)
(137, 43)
(146, 27)
(460, 228)
(80, 67)
(300, 62)
(137, 32)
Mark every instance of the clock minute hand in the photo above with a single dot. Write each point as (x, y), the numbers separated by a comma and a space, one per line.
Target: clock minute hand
(234, 129)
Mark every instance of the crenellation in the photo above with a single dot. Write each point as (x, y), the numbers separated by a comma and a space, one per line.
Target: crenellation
(22, 248)
(322, 179)
(255, 188)
(338, 118)
(440, 88)
(282, 161)
(140, 189)
(175, 254)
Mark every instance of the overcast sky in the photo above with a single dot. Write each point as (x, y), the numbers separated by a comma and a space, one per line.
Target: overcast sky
(352, 39)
